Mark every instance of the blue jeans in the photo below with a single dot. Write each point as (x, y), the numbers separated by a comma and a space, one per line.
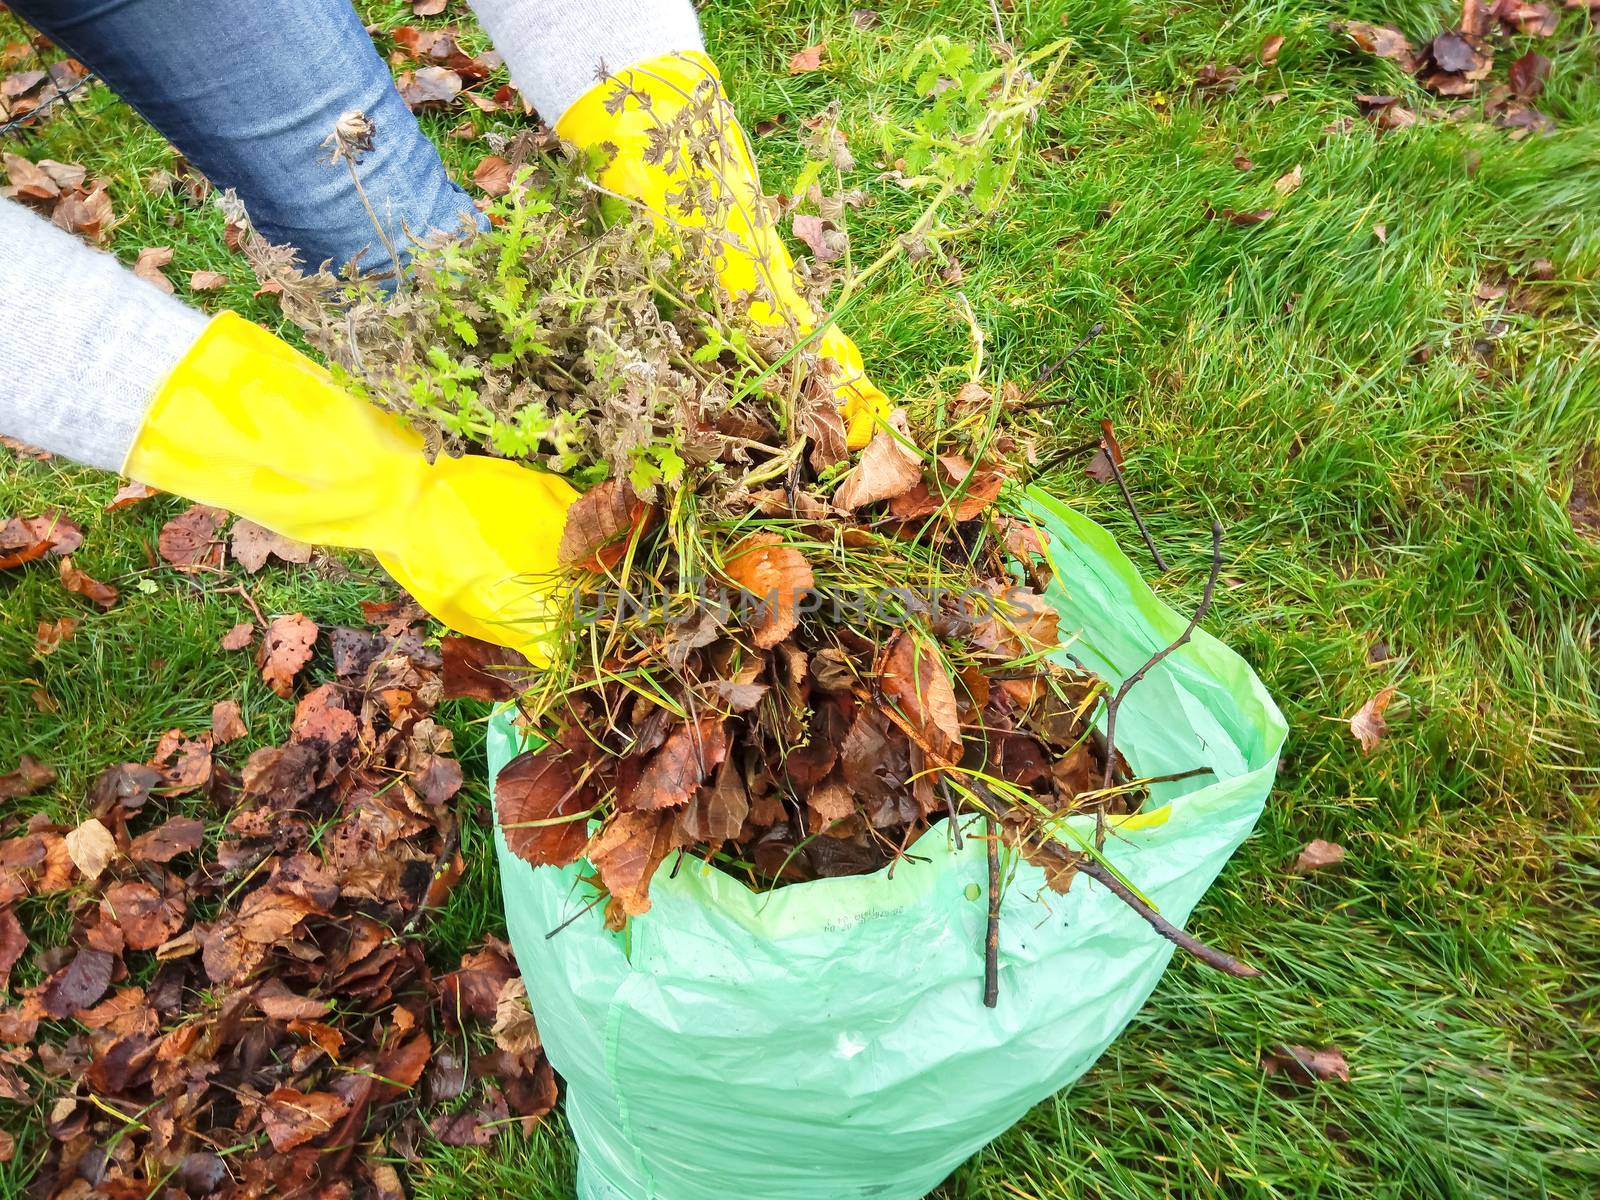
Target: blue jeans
(248, 90)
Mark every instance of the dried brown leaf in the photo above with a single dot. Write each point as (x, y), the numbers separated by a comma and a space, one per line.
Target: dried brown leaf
(514, 1029)
(286, 648)
(87, 586)
(493, 174)
(776, 578)
(240, 636)
(146, 917)
(1368, 724)
(292, 1118)
(78, 984)
(675, 772)
(190, 538)
(130, 493)
(149, 264)
(627, 852)
(809, 59)
(1318, 854)
(91, 848)
(253, 544)
(227, 722)
(1306, 1065)
(31, 776)
(175, 836)
(888, 467)
(592, 537)
(914, 681)
(541, 803)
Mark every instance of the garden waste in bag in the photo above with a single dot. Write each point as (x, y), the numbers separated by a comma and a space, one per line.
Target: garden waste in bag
(827, 1040)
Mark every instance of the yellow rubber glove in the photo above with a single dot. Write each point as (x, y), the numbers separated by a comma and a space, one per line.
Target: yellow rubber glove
(670, 82)
(247, 423)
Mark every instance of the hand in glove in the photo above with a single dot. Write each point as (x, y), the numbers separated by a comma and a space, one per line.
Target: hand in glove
(750, 252)
(247, 423)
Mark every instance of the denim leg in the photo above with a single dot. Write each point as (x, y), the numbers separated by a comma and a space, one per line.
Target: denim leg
(248, 90)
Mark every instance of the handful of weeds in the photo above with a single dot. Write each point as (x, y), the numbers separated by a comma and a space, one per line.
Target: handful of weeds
(777, 656)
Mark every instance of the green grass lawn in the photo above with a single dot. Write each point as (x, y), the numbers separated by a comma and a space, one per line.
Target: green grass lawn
(1391, 458)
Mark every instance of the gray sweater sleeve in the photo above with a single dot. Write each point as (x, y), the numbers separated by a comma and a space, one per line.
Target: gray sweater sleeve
(84, 342)
(553, 47)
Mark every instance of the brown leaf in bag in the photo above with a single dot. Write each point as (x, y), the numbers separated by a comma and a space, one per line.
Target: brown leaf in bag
(914, 681)
(674, 773)
(592, 537)
(540, 799)
(775, 579)
(888, 467)
(478, 670)
(627, 852)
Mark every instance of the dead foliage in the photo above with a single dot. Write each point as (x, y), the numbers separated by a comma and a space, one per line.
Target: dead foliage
(242, 1006)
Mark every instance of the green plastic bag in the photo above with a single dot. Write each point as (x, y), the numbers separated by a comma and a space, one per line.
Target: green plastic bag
(828, 1040)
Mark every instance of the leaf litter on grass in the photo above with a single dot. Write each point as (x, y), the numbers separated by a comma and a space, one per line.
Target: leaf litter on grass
(259, 997)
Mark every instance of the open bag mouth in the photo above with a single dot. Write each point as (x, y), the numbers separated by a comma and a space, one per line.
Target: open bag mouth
(805, 1041)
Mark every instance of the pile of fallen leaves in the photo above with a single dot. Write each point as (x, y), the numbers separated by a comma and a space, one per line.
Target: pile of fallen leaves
(254, 1014)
